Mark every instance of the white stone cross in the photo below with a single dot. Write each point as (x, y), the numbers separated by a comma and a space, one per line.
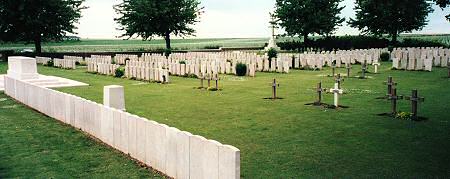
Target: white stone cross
(336, 92)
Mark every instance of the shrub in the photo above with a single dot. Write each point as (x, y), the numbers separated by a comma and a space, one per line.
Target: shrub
(77, 63)
(241, 69)
(213, 47)
(50, 63)
(384, 57)
(182, 62)
(192, 76)
(272, 53)
(119, 72)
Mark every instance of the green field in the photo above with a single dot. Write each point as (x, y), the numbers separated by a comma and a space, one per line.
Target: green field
(285, 138)
(136, 45)
(89, 45)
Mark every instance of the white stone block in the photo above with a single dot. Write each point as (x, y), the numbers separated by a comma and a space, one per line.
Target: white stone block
(171, 151)
(107, 125)
(156, 146)
(183, 154)
(79, 112)
(229, 162)
(141, 139)
(132, 133)
(22, 68)
(123, 140)
(116, 128)
(113, 96)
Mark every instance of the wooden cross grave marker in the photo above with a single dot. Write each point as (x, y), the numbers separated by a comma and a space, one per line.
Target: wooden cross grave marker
(415, 99)
(349, 68)
(363, 70)
(339, 80)
(394, 98)
(390, 85)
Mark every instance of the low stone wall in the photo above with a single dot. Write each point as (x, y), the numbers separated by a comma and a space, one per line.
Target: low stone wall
(176, 153)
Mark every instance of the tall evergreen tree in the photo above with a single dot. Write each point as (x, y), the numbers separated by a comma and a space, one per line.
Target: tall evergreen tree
(158, 18)
(379, 17)
(38, 20)
(305, 17)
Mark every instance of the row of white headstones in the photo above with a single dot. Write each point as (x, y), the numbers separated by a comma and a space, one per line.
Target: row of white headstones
(420, 58)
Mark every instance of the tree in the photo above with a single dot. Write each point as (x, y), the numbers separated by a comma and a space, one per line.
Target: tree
(443, 4)
(378, 17)
(304, 17)
(38, 20)
(160, 18)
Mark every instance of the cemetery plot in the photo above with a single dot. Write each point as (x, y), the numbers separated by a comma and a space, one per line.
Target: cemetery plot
(272, 133)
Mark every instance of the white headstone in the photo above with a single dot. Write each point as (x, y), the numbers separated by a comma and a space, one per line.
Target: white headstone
(113, 96)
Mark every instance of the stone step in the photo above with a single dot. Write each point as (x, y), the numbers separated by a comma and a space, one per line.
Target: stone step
(50, 83)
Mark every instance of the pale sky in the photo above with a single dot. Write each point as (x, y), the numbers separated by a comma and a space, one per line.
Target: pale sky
(227, 19)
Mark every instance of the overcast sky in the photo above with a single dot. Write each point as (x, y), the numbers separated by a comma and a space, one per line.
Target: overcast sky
(226, 19)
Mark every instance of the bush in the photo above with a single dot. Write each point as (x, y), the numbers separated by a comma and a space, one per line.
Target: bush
(50, 63)
(241, 69)
(213, 47)
(182, 62)
(272, 53)
(77, 63)
(384, 57)
(119, 72)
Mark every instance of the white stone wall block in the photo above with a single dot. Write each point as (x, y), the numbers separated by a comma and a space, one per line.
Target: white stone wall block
(107, 125)
(156, 145)
(116, 128)
(183, 154)
(229, 162)
(171, 151)
(196, 155)
(141, 139)
(124, 117)
(132, 133)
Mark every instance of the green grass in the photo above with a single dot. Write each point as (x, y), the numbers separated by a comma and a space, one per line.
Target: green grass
(91, 45)
(35, 146)
(136, 45)
(285, 138)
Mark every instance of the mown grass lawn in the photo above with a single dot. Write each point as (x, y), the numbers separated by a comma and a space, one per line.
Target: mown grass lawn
(285, 138)
(35, 146)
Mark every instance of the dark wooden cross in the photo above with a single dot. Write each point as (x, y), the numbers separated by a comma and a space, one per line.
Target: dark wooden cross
(333, 68)
(390, 84)
(209, 81)
(274, 89)
(364, 69)
(216, 78)
(339, 80)
(394, 98)
(415, 99)
(202, 79)
(319, 91)
(349, 67)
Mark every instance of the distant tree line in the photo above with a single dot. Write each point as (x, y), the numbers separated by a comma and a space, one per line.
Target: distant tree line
(373, 17)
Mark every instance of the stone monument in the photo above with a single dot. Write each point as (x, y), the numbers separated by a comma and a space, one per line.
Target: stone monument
(272, 41)
(22, 68)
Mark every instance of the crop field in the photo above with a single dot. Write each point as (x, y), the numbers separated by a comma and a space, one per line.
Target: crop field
(89, 45)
